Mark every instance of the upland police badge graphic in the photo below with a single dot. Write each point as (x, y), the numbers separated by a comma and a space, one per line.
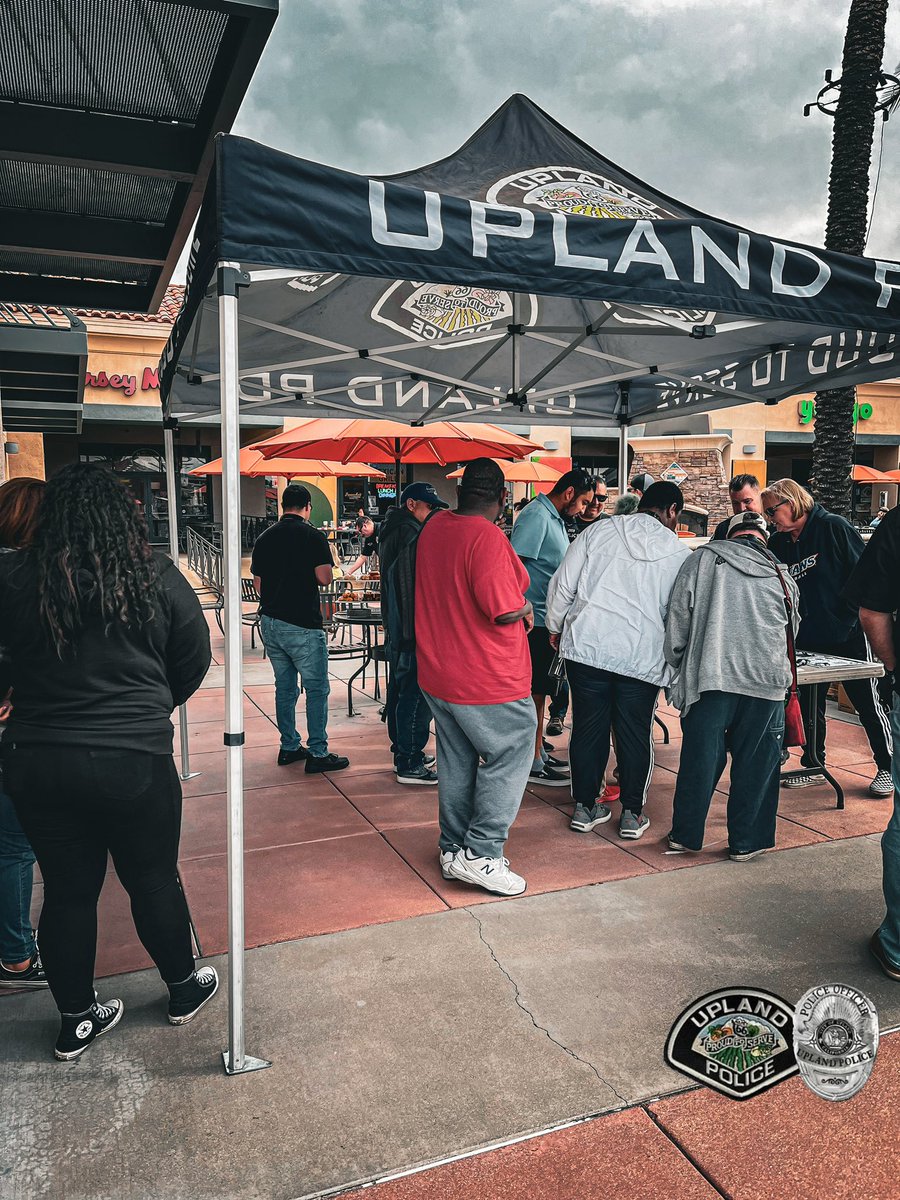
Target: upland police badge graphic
(448, 312)
(738, 1041)
(576, 192)
(835, 1040)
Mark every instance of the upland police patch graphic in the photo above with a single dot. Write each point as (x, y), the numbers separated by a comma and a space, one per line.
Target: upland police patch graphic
(738, 1041)
(579, 193)
(448, 312)
(835, 1040)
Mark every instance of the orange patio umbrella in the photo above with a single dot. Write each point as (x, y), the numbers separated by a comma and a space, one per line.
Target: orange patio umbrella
(441, 443)
(870, 475)
(520, 472)
(254, 465)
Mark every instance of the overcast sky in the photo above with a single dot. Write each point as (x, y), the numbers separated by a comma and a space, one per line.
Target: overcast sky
(702, 99)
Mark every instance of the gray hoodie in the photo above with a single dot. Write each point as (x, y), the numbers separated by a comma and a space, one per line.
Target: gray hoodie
(726, 629)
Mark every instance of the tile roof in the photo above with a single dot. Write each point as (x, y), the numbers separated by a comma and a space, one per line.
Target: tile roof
(168, 310)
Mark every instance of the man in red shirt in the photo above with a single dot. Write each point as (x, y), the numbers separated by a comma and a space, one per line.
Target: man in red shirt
(472, 621)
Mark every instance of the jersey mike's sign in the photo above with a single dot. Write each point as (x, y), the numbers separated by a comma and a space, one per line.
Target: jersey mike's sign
(126, 384)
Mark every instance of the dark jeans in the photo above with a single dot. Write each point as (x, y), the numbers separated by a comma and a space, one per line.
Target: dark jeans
(559, 703)
(16, 878)
(752, 730)
(407, 713)
(864, 697)
(602, 701)
(76, 805)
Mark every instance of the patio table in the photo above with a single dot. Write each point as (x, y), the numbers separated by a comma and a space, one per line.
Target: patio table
(370, 624)
(818, 671)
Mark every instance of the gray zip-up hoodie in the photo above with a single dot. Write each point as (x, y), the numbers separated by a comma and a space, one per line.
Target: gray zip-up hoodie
(726, 628)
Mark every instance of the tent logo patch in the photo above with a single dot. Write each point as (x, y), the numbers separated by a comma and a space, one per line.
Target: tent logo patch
(311, 281)
(575, 192)
(738, 1041)
(438, 312)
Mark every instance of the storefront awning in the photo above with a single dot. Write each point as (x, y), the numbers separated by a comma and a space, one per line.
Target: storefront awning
(108, 114)
(43, 360)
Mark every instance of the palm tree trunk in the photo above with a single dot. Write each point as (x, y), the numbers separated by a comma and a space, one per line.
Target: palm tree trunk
(848, 212)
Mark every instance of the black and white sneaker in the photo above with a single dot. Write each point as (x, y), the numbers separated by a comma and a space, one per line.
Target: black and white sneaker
(328, 762)
(78, 1030)
(555, 727)
(550, 777)
(188, 997)
(424, 777)
(32, 977)
(428, 760)
(882, 785)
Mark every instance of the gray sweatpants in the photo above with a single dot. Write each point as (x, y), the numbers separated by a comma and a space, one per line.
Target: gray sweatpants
(485, 752)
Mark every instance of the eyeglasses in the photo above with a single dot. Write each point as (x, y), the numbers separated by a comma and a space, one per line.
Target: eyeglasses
(770, 512)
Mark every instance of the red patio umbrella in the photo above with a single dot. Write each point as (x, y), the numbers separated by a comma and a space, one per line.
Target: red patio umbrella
(863, 474)
(520, 472)
(254, 465)
(442, 443)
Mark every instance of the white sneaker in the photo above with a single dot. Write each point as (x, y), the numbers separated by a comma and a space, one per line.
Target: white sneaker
(447, 857)
(492, 874)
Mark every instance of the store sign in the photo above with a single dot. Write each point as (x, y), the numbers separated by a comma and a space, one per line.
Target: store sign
(126, 384)
(807, 411)
(675, 473)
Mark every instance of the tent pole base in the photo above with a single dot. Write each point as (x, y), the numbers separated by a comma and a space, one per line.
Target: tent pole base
(250, 1064)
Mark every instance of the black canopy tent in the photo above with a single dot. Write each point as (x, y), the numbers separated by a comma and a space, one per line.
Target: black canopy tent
(523, 279)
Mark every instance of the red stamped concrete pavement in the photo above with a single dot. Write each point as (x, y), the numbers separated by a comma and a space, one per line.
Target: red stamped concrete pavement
(624, 1157)
(789, 1143)
(353, 848)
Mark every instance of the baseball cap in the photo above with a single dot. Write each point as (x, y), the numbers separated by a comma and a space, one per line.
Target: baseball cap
(748, 520)
(642, 482)
(422, 491)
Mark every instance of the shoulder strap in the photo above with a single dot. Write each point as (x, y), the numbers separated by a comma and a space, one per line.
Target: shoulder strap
(789, 627)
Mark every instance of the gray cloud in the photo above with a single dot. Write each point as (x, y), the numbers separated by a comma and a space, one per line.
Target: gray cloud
(702, 99)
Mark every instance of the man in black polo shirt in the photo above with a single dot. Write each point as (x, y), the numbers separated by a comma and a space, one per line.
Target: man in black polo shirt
(291, 560)
(875, 587)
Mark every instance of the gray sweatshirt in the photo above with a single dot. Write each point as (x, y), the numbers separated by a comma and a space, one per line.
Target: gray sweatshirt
(726, 628)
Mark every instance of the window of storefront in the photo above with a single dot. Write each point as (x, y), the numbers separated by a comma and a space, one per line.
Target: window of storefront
(143, 468)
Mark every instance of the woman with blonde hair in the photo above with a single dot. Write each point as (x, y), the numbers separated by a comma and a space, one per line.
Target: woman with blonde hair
(820, 550)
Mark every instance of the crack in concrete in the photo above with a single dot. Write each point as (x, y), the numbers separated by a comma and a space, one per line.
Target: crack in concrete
(540, 1028)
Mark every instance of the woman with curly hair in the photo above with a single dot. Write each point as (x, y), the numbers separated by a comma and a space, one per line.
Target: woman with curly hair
(101, 640)
(20, 964)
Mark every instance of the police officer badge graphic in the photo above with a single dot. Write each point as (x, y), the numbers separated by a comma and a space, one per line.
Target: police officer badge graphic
(835, 1040)
(738, 1041)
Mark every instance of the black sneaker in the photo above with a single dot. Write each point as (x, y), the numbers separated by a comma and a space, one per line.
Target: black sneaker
(32, 977)
(555, 727)
(428, 760)
(286, 757)
(328, 762)
(78, 1030)
(425, 776)
(559, 763)
(187, 998)
(550, 777)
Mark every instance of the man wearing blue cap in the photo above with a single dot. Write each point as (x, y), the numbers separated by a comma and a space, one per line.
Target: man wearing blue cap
(406, 711)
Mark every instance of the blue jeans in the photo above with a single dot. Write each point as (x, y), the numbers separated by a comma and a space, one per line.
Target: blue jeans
(890, 854)
(408, 715)
(752, 730)
(16, 879)
(296, 651)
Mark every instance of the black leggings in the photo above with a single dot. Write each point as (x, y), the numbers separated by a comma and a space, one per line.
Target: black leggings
(75, 806)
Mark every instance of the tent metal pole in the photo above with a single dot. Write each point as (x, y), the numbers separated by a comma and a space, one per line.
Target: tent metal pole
(229, 279)
(623, 459)
(173, 490)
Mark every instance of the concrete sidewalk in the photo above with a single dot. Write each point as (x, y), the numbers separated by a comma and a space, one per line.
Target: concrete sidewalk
(398, 1044)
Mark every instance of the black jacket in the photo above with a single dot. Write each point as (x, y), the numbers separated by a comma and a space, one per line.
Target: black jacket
(397, 541)
(820, 562)
(115, 689)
